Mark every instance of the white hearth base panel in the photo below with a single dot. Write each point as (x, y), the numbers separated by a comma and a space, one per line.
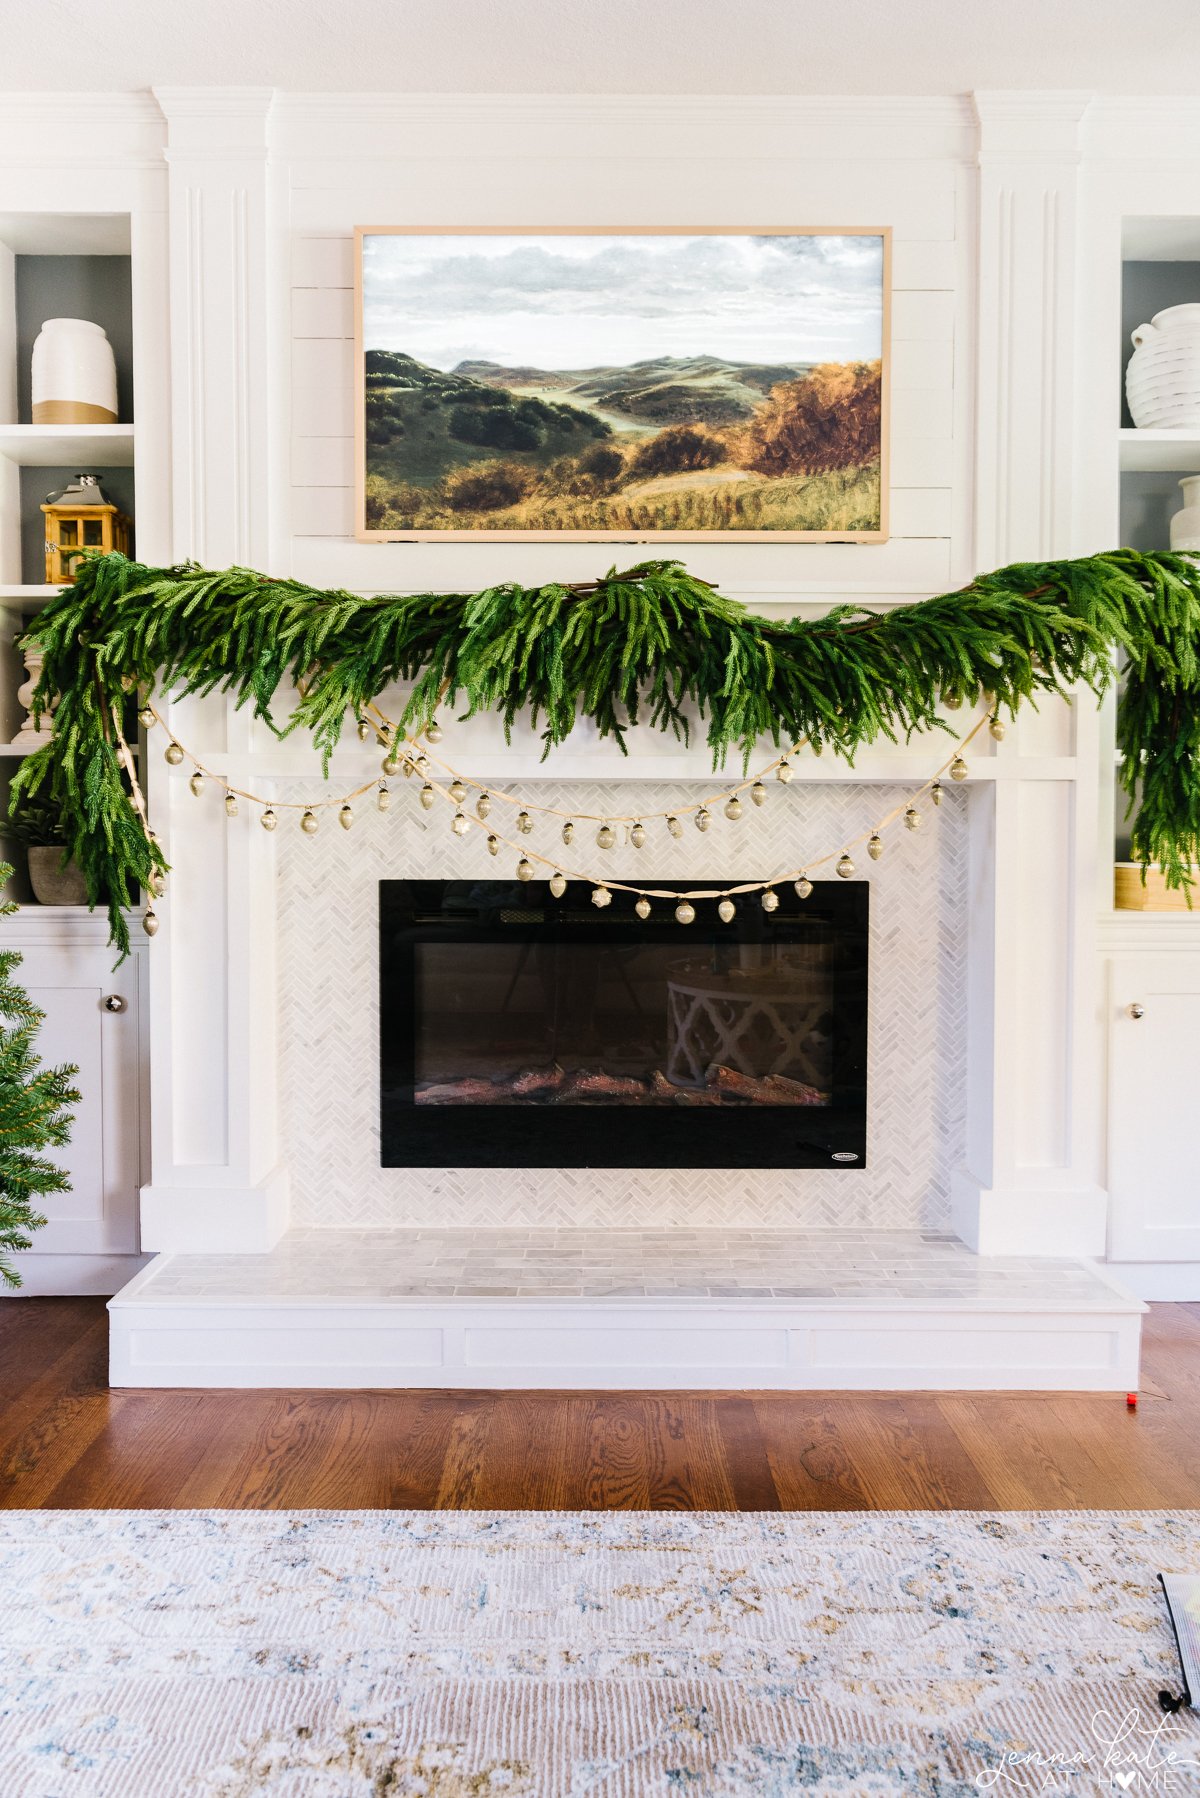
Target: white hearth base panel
(217, 1340)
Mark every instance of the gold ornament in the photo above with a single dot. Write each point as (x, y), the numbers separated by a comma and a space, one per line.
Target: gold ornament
(231, 806)
(459, 824)
(391, 763)
(758, 793)
(875, 847)
(606, 836)
(383, 798)
(427, 797)
(146, 718)
(845, 866)
(733, 806)
(770, 900)
(173, 754)
(457, 791)
(157, 883)
(674, 826)
(803, 887)
(268, 819)
(493, 845)
(935, 792)
(703, 818)
(642, 908)
(951, 701)
(309, 824)
(150, 923)
(958, 769)
(912, 818)
(727, 911)
(408, 767)
(384, 734)
(346, 817)
(420, 763)
(998, 728)
(364, 730)
(524, 823)
(601, 897)
(524, 869)
(433, 731)
(558, 884)
(637, 835)
(483, 805)
(568, 831)
(784, 771)
(685, 912)
(197, 783)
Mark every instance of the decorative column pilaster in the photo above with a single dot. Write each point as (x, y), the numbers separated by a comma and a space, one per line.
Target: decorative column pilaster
(1030, 1180)
(215, 1182)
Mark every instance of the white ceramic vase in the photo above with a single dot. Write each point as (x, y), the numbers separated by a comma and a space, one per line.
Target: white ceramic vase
(1162, 381)
(1185, 525)
(75, 374)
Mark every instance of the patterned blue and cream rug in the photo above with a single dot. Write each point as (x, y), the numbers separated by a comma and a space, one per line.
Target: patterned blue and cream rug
(374, 1654)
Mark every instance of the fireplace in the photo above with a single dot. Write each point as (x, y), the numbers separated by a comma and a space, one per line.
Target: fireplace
(522, 1031)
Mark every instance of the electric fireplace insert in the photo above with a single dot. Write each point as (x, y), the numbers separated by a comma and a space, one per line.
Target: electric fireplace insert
(520, 1030)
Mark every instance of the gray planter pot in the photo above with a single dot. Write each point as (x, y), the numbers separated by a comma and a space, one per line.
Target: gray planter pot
(52, 883)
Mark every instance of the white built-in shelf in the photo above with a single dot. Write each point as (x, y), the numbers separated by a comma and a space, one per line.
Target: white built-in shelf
(17, 597)
(56, 446)
(1165, 452)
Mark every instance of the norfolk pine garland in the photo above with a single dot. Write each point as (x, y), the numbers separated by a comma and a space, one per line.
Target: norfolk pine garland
(653, 642)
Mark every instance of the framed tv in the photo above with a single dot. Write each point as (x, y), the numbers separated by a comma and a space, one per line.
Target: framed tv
(658, 384)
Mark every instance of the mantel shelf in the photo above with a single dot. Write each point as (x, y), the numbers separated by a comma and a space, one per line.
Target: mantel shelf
(1160, 452)
(54, 446)
(16, 596)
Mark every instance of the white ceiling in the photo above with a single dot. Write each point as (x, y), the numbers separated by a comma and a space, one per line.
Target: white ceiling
(604, 46)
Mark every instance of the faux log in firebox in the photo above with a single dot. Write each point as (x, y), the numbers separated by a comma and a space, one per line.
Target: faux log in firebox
(523, 1031)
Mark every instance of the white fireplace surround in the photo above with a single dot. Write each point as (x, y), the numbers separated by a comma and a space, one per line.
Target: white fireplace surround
(987, 1047)
(990, 1004)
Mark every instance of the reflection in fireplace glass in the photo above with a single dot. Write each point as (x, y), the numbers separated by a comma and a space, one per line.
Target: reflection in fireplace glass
(624, 1023)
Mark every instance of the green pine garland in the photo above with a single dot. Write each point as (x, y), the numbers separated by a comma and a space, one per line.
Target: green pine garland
(34, 1111)
(651, 642)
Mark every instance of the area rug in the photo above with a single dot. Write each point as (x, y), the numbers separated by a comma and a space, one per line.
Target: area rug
(365, 1654)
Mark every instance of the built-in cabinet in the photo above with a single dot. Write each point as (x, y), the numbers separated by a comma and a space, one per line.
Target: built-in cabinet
(95, 1020)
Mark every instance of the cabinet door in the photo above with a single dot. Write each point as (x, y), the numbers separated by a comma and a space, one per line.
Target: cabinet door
(70, 982)
(1154, 1108)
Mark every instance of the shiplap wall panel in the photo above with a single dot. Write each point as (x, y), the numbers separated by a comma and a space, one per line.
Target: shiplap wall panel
(798, 165)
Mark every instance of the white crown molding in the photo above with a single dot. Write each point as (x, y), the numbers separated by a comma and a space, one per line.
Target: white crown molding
(332, 127)
(1018, 125)
(214, 102)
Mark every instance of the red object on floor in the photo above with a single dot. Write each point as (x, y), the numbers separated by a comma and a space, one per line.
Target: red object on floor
(1131, 1401)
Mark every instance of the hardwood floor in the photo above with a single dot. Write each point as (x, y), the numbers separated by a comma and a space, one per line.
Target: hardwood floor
(66, 1440)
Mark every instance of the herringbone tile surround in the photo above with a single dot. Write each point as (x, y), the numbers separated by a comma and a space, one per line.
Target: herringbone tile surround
(329, 1013)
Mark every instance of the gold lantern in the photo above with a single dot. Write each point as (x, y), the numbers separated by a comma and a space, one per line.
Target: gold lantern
(81, 517)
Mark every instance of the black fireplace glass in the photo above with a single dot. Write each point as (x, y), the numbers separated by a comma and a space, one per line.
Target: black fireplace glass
(520, 1030)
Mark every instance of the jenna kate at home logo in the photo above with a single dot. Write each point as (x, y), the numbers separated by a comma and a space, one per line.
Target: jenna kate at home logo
(1127, 1753)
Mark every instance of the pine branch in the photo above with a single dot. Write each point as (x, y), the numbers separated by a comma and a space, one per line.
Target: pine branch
(652, 641)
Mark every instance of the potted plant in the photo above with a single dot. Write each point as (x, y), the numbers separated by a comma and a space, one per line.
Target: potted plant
(37, 823)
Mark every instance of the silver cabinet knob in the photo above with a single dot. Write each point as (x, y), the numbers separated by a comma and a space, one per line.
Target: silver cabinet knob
(114, 1002)
(1136, 1011)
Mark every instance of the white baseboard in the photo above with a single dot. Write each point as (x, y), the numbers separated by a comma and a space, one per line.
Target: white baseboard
(1013, 1221)
(72, 1276)
(1168, 1282)
(216, 1220)
(609, 1344)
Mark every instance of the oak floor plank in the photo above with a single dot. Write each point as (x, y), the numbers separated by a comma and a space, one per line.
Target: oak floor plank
(67, 1440)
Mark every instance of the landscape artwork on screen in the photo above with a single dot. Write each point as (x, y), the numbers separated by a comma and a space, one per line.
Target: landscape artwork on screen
(665, 384)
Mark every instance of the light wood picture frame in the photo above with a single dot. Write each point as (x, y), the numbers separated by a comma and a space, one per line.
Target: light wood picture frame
(633, 384)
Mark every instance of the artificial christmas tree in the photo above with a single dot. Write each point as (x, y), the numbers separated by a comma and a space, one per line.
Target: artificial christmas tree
(34, 1111)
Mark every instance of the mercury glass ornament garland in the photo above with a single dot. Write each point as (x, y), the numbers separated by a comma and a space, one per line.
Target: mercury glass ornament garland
(410, 756)
(653, 642)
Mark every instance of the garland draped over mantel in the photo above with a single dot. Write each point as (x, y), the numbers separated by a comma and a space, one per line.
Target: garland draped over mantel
(651, 642)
